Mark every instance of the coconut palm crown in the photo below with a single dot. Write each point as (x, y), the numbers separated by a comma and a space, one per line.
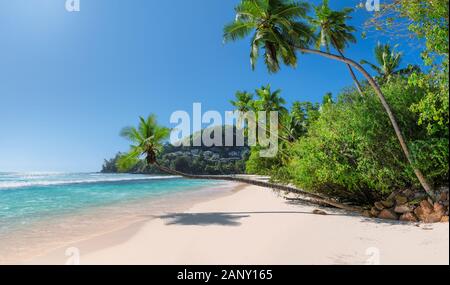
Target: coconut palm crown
(388, 61)
(331, 27)
(278, 27)
(147, 141)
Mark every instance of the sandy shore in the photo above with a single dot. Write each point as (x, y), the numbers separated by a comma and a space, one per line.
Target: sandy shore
(256, 226)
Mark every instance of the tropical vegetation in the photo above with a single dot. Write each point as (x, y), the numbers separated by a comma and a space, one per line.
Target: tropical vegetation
(349, 148)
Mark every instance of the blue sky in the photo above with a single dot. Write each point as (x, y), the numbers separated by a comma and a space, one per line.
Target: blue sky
(70, 81)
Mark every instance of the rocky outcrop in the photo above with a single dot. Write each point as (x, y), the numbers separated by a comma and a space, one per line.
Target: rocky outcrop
(410, 206)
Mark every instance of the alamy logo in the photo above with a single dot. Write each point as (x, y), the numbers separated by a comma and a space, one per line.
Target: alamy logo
(255, 126)
(373, 254)
(73, 5)
(73, 254)
(373, 5)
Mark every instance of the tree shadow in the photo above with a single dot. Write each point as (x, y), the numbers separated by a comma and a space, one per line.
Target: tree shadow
(203, 219)
(220, 218)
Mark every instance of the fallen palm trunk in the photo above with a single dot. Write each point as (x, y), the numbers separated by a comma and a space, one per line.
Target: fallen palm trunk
(314, 197)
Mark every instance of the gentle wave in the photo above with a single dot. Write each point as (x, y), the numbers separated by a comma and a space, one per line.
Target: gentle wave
(5, 185)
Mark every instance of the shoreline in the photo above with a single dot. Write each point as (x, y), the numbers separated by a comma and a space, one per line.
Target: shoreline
(20, 246)
(253, 225)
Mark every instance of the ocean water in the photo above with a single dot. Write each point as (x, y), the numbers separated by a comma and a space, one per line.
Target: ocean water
(37, 207)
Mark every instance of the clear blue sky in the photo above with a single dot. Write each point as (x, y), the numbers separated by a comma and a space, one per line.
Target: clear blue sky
(70, 81)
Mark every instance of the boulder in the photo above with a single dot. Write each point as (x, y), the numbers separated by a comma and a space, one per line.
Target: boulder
(443, 197)
(408, 193)
(388, 214)
(379, 206)
(426, 206)
(400, 200)
(438, 208)
(429, 216)
(391, 196)
(374, 212)
(387, 203)
(319, 212)
(367, 214)
(402, 209)
(408, 217)
(419, 195)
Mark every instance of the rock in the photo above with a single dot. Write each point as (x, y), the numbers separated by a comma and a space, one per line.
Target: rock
(388, 203)
(444, 219)
(374, 212)
(400, 200)
(427, 215)
(388, 214)
(402, 209)
(426, 206)
(408, 193)
(391, 196)
(408, 217)
(434, 218)
(420, 195)
(438, 208)
(379, 206)
(443, 196)
(319, 212)
(367, 214)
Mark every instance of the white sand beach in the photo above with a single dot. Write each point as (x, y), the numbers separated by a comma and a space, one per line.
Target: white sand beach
(256, 226)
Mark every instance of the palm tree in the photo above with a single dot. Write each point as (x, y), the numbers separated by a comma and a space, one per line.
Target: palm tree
(243, 102)
(333, 32)
(148, 141)
(278, 26)
(388, 61)
(272, 21)
(269, 101)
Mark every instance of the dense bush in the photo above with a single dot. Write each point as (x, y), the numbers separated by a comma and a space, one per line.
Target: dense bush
(351, 150)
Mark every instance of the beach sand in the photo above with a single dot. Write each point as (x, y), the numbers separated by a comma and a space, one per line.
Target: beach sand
(255, 225)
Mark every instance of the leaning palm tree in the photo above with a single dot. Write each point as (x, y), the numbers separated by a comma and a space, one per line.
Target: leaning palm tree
(279, 27)
(388, 61)
(333, 31)
(148, 141)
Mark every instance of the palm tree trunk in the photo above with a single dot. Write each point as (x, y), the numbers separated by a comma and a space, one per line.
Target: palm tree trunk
(357, 84)
(350, 69)
(386, 106)
(315, 198)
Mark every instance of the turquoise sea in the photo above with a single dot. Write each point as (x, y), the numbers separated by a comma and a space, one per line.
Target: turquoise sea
(36, 207)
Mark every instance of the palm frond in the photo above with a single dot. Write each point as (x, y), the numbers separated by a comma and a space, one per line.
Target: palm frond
(237, 30)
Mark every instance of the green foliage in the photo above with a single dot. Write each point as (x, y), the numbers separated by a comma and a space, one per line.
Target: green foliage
(388, 61)
(351, 152)
(430, 22)
(424, 19)
(433, 108)
(278, 26)
(331, 27)
(147, 140)
(192, 160)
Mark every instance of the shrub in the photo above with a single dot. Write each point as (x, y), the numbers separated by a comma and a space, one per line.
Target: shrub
(351, 151)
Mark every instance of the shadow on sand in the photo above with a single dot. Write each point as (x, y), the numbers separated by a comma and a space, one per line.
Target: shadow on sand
(219, 218)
